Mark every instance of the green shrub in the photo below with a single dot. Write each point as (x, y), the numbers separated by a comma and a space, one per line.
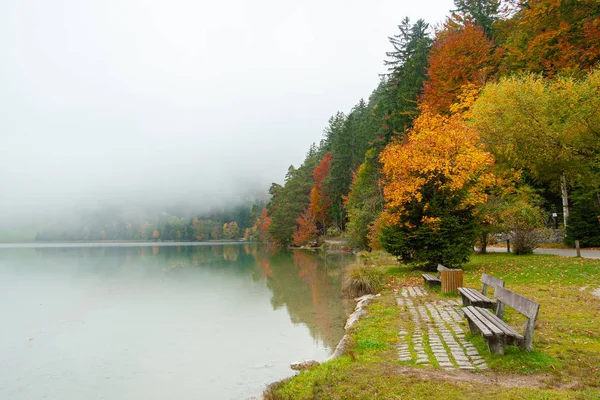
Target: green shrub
(523, 217)
(333, 231)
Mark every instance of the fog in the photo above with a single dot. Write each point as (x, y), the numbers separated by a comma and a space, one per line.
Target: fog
(152, 103)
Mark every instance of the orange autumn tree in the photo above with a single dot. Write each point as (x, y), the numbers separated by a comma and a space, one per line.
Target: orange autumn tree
(461, 55)
(260, 230)
(552, 37)
(306, 230)
(316, 217)
(320, 203)
(433, 181)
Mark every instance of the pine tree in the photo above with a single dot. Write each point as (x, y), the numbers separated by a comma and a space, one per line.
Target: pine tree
(481, 12)
(407, 68)
(291, 200)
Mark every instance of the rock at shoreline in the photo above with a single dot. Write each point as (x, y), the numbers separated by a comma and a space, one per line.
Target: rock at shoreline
(304, 365)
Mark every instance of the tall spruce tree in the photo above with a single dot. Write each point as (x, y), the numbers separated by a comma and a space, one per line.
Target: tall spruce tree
(481, 12)
(407, 68)
(365, 201)
(347, 138)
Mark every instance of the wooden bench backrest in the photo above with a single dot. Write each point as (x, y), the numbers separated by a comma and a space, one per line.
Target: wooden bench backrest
(523, 305)
(489, 280)
(528, 308)
(441, 268)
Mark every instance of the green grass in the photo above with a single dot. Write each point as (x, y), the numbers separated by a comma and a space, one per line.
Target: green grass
(567, 341)
(536, 269)
(516, 361)
(567, 334)
(347, 379)
(376, 334)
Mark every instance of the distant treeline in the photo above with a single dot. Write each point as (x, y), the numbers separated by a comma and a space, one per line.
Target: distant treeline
(110, 224)
(488, 125)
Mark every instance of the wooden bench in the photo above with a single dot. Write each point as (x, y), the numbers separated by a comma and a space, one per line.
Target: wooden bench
(472, 297)
(449, 278)
(433, 280)
(495, 331)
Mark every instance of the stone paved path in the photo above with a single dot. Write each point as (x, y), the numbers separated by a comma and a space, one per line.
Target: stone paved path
(432, 332)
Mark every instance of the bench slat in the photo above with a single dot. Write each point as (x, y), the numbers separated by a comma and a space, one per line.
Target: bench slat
(482, 315)
(507, 329)
(486, 330)
(467, 292)
(471, 297)
(474, 294)
(475, 320)
(431, 280)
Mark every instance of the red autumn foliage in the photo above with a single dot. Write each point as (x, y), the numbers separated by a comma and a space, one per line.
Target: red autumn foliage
(264, 221)
(460, 55)
(319, 200)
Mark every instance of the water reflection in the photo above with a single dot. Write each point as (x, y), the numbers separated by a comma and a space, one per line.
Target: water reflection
(154, 322)
(307, 284)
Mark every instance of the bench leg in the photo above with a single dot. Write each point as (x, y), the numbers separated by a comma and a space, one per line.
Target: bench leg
(472, 327)
(496, 344)
(431, 284)
(465, 300)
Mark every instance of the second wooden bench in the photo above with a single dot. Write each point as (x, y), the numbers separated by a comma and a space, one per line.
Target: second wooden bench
(472, 297)
(449, 278)
(433, 280)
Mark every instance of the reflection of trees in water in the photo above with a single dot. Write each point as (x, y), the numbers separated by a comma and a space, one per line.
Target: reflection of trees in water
(309, 286)
(148, 258)
(231, 253)
(263, 259)
(264, 263)
(307, 283)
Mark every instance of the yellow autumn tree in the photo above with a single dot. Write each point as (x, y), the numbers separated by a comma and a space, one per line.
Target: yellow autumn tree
(548, 128)
(433, 180)
(231, 230)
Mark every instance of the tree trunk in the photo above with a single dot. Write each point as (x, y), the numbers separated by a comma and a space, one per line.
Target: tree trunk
(565, 198)
(483, 241)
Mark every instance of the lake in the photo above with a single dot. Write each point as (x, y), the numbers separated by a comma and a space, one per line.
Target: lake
(167, 321)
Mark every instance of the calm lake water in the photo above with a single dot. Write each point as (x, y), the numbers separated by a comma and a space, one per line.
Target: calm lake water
(162, 322)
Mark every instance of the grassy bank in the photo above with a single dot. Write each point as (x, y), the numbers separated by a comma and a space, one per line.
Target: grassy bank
(565, 363)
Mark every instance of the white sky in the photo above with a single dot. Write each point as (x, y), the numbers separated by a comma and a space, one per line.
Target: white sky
(129, 99)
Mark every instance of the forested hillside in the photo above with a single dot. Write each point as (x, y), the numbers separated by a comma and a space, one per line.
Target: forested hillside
(489, 124)
(112, 223)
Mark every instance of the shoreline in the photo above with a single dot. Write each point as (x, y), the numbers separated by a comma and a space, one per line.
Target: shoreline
(359, 311)
(8, 245)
